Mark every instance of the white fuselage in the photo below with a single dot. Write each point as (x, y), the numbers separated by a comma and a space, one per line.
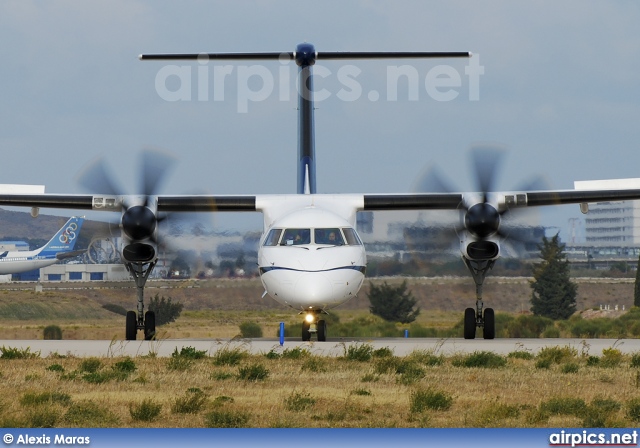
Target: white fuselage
(17, 261)
(311, 258)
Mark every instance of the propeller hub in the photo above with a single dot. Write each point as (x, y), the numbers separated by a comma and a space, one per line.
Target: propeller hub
(482, 220)
(138, 222)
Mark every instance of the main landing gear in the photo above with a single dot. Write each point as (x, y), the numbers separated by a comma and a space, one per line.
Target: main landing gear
(312, 325)
(140, 320)
(477, 318)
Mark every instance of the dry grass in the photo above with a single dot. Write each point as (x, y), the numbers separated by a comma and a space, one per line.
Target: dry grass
(328, 392)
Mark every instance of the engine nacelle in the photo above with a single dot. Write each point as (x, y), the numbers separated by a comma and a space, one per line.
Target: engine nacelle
(139, 252)
(139, 230)
(480, 249)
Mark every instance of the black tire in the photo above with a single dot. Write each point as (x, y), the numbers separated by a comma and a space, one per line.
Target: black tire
(489, 330)
(149, 325)
(469, 323)
(306, 334)
(322, 331)
(132, 326)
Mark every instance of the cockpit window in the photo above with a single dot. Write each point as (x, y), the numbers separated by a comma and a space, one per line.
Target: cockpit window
(273, 237)
(331, 236)
(294, 237)
(352, 237)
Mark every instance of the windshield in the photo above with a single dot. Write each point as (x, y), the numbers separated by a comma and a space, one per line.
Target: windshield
(352, 237)
(329, 236)
(273, 237)
(294, 237)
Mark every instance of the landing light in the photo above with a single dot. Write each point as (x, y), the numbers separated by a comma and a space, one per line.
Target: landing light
(309, 318)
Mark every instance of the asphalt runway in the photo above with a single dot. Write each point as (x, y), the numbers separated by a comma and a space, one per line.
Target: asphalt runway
(333, 347)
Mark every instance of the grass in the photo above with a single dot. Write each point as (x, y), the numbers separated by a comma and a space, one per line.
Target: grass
(257, 391)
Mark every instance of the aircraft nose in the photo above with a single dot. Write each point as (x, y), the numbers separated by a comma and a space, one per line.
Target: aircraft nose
(313, 286)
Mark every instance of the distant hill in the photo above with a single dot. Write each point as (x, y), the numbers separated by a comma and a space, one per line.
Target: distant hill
(21, 226)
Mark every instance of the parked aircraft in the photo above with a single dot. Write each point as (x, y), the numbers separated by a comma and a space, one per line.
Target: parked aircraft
(300, 264)
(60, 247)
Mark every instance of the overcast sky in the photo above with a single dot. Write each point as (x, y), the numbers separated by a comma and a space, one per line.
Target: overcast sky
(560, 90)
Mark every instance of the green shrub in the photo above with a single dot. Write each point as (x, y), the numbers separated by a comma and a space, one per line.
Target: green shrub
(593, 361)
(52, 332)
(520, 354)
(189, 353)
(191, 403)
(229, 356)
(165, 310)
(480, 359)
(298, 401)
(611, 357)
(494, 415)
(564, 406)
(295, 353)
(570, 367)
(226, 419)
(179, 363)
(254, 372)
(314, 364)
(528, 326)
(250, 330)
(635, 360)
(421, 400)
(104, 376)
(89, 414)
(358, 352)
(146, 411)
(221, 376)
(18, 353)
(90, 365)
(221, 400)
(369, 378)
(42, 417)
(34, 399)
(387, 365)
(382, 352)
(126, 365)
(557, 355)
(426, 357)
(55, 368)
(409, 372)
(361, 392)
(633, 409)
(543, 363)
(606, 405)
(273, 354)
(551, 332)
(418, 331)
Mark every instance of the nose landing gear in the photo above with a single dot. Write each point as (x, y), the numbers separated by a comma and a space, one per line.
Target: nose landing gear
(313, 325)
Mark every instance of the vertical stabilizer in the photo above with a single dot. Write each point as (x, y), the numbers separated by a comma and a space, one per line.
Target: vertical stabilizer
(65, 239)
(305, 57)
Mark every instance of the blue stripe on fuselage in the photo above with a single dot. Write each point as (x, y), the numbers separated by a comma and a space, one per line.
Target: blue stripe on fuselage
(361, 269)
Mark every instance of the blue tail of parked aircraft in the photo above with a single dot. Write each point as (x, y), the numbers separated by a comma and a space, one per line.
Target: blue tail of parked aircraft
(65, 240)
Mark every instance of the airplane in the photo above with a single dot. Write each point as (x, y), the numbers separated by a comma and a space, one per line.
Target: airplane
(299, 265)
(60, 247)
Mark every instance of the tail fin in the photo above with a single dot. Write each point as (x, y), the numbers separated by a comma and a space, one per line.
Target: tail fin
(65, 239)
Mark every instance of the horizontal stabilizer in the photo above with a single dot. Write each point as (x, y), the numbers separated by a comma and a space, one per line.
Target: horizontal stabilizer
(320, 55)
(65, 255)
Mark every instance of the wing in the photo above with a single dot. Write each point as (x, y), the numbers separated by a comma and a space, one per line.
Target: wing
(186, 203)
(239, 203)
(505, 200)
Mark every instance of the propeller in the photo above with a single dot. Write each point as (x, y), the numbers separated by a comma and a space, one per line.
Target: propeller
(139, 220)
(483, 221)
